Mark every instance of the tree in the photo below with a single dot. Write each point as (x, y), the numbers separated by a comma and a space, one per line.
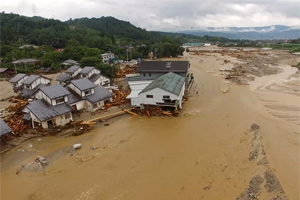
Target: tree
(90, 61)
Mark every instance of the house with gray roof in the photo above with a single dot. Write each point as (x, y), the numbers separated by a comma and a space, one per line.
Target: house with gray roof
(4, 128)
(17, 81)
(87, 95)
(166, 91)
(32, 83)
(70, 62)
(150, 70)
(52, 107)
(26, 61)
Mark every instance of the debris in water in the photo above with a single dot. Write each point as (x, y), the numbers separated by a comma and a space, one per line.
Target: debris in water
(76, 146)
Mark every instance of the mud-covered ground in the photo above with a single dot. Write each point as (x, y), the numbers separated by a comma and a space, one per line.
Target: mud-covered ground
(226, 144)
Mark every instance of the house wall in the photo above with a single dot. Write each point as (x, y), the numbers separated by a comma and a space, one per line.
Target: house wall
(76, 72)
(42, 95)
(38, 81)
(20, 82)
(94, 71)
(83, 92)
(80, 104)
(104, 81)
(75, 89)
(157, 97)
(59, 120)
(54, 100)
(91, 108)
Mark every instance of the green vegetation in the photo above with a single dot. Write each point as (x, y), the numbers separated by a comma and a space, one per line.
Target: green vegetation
(291, 47)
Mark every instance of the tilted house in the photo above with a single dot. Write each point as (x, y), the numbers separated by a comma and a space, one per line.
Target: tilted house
(4, 128)
(17, 82)
(150, 70)
(86, 95)
(70, 74)
(166, 91)
(52, 108)
(33, 83)
(107, 57)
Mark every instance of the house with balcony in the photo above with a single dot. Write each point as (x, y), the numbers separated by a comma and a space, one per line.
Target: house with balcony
(32, 83)
(87, 95)
(17, 82)
(51, 107)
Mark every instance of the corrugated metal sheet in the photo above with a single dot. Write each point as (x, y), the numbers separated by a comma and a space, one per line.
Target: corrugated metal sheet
(170, 82)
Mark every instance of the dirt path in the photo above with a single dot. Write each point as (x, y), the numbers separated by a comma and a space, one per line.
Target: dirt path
(203, 154)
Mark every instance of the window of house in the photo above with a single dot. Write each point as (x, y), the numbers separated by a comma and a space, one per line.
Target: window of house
(149, 96)
(85, 76)
(149, 74)
(87, 92)
(15, 84)
(68, 116)
(166, 97)
(95, 105)
(27, 86)
(60, 100)
(144, 74)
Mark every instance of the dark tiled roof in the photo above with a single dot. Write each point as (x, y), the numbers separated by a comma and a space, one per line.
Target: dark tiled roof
(44, 111)
(72, 69)
(3, 70)
(100, 94)
(170, 82)
(4, 128)
(55, 91)
(17, 78)
(63, 78)
(83, 84)
(163, 66)
(94, 77)
(86, 70)
(30, 79)
(28, 93)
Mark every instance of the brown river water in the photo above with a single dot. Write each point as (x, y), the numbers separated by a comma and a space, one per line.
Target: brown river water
(200, 155)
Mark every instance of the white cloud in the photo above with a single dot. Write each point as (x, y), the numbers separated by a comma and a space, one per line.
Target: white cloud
(167, 15)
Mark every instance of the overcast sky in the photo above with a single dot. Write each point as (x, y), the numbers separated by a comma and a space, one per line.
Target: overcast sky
(167, 15)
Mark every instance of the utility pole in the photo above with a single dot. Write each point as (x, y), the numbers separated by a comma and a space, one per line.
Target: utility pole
(12, 55)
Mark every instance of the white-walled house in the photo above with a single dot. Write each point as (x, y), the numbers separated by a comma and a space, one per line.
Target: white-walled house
(106, 57)
(71, 73)
(17, 81)
(87, 95)
(87, 72)
(51, 107)
(167, 91)
(33, 83)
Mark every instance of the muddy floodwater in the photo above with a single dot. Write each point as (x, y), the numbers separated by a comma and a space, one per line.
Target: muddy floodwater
(203, 154)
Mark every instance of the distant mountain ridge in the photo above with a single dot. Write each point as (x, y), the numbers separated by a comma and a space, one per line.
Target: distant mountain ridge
(251, 33)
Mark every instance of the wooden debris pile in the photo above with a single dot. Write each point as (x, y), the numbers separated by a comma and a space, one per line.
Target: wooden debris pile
(121, 73)
(21, 103)
(17, 124)
(81, 126)
(120, 97)
(154, 111)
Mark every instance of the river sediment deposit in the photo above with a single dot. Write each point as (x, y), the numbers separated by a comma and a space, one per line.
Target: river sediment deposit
(228, 138)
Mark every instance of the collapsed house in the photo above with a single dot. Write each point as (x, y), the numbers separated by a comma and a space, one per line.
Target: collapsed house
(107, 57)
(166, 91)
(87, 95)
(51, 107)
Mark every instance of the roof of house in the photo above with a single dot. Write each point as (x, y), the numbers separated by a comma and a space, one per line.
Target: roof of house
(163, 66)
(26, 60)
(86, 70)
(73, 97)
(32, 78)
(3, 70)
(170, 82)
(63, 78)
(43, 111)
(17, 77)
(28, 93)
(4, 128)
(69, 61)
(100, 94)
(94, 77)
(55, 91)
(72, 69)
(83, 84)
